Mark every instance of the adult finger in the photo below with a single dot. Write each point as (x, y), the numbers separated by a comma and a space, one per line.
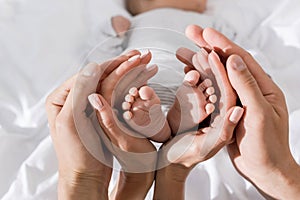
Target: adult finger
(56, 100)
(185, 55)
(193, 60)
(135, 153)
(244, 83)
(225, 47)
(109, 84)
(217, 137)
(110, 65)
(194, 147)
(137, 77)
(85, 84)
(193, 32)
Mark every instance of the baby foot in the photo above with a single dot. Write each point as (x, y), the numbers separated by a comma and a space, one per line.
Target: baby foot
(143, 114)
(194, 102)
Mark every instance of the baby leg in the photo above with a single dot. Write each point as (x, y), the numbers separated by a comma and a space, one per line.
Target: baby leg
(143, 114)
(194, 102)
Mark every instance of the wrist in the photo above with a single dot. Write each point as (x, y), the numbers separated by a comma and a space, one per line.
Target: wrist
(283, 182)
(170, 182)
(175, 173)
(78, 185)
(174, 118)
(290, 188)
(133, 185)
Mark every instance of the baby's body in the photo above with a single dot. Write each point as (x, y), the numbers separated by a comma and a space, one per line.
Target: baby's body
(162, 32)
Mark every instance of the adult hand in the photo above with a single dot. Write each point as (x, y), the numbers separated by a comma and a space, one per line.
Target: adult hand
(81, 174)
(184, 151)
(261, 150)
(74, 134)
(136, 154)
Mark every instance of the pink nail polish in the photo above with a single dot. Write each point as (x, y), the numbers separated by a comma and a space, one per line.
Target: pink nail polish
(236, 115)
(95, 101)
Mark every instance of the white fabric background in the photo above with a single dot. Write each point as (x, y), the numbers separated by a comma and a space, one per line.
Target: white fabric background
(43, 42)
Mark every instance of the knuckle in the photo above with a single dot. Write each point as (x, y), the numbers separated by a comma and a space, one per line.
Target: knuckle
(108, 124)
(247, 55)
(249, 81)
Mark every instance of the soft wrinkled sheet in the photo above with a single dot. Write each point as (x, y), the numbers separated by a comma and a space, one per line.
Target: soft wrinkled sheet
(44, 42)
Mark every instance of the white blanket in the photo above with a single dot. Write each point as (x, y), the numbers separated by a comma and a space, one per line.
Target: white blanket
(44, 42)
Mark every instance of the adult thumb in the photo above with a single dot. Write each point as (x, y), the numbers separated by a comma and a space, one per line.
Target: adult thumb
(243, 82)
(104, 112)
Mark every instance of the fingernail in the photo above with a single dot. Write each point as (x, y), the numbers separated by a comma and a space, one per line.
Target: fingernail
(134, 58)
(95, 101)
(151, 67)
(89, 69)
(145, 54)
(238, 64)
(236, 115)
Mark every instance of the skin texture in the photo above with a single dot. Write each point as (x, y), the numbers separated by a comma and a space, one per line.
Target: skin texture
(261, 151)
(75, 173)
(143, 114)
(135, 153)
(260, 148)
(167, 156)
(181, 154)
(194, 102)
(83, 176)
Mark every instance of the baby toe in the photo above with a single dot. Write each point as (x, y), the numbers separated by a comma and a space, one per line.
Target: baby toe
(126, 105)
(205, 84)
(127, 115)
(210, 91)
(213, 98)
(146, 93)
(133, 91)
(129, 98)
(209, 108)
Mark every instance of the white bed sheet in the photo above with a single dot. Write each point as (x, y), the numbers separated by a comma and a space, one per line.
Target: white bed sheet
(43, 42)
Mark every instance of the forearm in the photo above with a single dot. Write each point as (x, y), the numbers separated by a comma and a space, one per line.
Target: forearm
(79, 186)
(282, 184)
(133, 185)
(170, 182)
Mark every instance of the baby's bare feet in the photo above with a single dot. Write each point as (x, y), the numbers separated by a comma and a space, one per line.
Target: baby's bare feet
(194, 102)
(143, 114)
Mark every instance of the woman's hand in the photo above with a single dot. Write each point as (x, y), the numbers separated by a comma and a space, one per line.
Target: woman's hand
(83, 160)
(178, 157)
(136, 154)
(261, 150)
